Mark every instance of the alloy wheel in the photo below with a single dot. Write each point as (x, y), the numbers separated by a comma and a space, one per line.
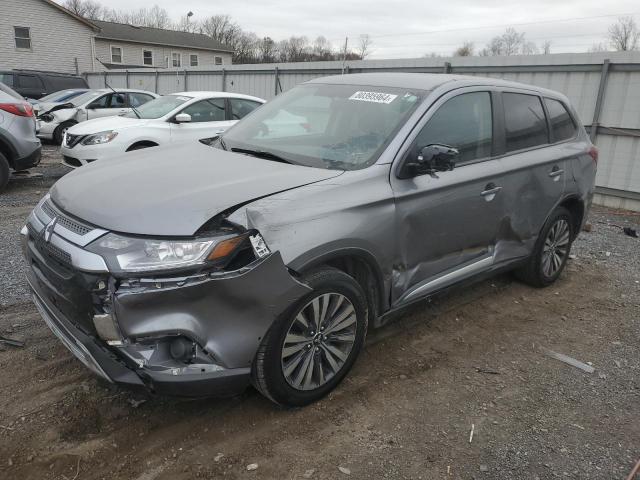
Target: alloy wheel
(556, 247)
(318, 342)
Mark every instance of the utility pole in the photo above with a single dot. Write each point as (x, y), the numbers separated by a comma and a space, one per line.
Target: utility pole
(344, 53)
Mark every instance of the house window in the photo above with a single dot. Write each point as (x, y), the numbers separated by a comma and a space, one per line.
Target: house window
(193, 60)
(23, 37)
(147, 57)
(116, 54)
(218, 60)
(176, 59)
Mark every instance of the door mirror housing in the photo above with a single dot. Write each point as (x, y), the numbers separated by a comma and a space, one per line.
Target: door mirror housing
(431, 159)
(182, 118)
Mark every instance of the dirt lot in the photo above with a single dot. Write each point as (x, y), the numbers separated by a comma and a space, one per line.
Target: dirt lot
(472, 359)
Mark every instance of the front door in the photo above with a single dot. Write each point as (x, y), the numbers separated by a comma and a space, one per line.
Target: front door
(208, 119)
(447, 224)
(108, 105)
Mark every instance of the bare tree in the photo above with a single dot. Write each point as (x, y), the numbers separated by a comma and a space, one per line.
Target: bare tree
(85, 8)
(321, 49)
(546, 47)
(624, 34)
(465, 50)
(511, 42)
(598, 47)
(221, 28)
(267, 50)
(364, 46)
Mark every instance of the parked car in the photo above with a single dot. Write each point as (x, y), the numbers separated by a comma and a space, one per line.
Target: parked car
(19, 146)
(57, 118)
(265, 258)
(36, 84)
(180, 117)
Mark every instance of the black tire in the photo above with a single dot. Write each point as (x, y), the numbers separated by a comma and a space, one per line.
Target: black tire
(4, 172)
(59, 131)
(268, 375)
(533, 272)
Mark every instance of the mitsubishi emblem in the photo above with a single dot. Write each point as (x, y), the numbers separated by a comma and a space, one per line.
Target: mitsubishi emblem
(48, 230)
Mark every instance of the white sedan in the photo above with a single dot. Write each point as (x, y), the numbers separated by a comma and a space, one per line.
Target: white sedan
(179, 117)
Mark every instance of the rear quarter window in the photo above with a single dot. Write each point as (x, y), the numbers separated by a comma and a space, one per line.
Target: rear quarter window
(525, 121)
(562, 124)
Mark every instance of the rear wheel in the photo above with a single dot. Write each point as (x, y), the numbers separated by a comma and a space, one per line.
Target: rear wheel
(551, 251)
(58, 133)
(313, 345)
(4, 172)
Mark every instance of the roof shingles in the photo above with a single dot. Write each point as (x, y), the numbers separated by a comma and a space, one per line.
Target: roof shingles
(157, 36)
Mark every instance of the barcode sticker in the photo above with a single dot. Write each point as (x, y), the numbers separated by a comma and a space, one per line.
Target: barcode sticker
(375, 97)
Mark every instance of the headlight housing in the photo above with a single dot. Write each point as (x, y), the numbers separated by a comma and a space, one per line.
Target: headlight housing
(100, 137)
(135, 254)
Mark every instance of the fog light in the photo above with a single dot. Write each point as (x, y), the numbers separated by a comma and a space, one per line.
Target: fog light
(181, 349)
(107, 329)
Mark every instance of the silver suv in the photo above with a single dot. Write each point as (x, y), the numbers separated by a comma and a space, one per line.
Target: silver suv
(19, 147)
(264, 258)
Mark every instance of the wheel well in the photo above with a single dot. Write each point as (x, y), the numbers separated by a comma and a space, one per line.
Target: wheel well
(142, 144)
(365, 274)
(576, 209)
(7, 152)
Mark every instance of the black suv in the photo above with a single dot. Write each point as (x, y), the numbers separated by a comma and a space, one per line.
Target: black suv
(34, 84)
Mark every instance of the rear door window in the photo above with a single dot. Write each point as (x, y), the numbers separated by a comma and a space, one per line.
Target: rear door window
(241, 107)
(30, 81)
(463, 122)
(525, 122)
(562, 126)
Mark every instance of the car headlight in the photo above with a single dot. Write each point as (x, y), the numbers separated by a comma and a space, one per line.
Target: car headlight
(100, 137)
(131, 254)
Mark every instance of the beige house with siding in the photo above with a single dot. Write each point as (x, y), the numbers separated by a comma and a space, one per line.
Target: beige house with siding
(42, 35)
(120, 45)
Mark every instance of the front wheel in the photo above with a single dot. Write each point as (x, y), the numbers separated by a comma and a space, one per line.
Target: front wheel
(551, 252)
(313, 345)
(58, 133)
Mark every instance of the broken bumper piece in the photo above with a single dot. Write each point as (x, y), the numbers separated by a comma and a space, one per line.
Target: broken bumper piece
(191, 336)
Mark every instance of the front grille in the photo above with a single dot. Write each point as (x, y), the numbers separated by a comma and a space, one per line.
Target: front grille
(74, 162)
(53, 252)
(73, 140)
(68, 223)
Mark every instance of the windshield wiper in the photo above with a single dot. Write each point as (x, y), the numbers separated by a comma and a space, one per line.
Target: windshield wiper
(262, 154)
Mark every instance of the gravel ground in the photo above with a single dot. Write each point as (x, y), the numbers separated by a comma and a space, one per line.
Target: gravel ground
(472, 360)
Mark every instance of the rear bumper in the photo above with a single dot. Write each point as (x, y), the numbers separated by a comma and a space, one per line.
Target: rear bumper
(30, 160)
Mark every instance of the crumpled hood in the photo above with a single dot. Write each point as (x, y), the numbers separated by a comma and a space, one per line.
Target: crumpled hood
(106, 123)
(173, 191)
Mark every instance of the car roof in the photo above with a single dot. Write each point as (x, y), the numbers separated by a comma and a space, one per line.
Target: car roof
(424, 81)
(119, 90)
(212, 94)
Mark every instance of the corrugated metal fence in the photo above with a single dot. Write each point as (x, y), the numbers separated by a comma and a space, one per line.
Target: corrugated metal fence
(604, 88)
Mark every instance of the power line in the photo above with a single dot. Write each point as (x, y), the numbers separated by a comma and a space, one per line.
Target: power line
(540, 22)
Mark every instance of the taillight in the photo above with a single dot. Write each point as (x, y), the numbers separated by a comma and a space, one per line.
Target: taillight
(20, 109)
(593, 153)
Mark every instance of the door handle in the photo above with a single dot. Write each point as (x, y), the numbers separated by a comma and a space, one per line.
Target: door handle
(490, 190)
(556, 172)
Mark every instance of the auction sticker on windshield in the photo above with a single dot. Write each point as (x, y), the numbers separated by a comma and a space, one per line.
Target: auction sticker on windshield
(376, 97)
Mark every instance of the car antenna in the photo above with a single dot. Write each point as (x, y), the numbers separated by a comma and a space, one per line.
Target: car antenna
(111, 88)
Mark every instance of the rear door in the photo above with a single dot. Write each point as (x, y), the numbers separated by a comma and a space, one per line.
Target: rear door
(208, 119)
(535, 167)
(108, 105)
(447, 225)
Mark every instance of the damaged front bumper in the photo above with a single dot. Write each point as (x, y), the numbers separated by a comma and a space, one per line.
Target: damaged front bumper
(191, 336)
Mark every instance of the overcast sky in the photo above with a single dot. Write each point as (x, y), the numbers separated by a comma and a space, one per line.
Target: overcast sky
(404, 29)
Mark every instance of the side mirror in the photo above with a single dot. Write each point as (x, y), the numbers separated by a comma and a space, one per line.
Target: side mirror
(182, 118)
(431, 159)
